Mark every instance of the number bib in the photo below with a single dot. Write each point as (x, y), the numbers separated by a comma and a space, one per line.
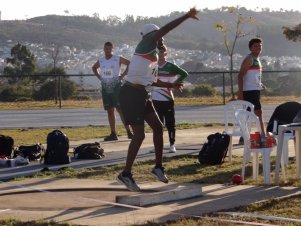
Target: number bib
(107, 73)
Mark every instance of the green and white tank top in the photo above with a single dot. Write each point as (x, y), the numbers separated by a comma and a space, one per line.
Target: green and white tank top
(143, 68)
(167, 72)
(252, 79)
(109, 73)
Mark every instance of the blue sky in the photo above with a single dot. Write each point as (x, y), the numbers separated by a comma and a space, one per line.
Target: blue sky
(21, 9)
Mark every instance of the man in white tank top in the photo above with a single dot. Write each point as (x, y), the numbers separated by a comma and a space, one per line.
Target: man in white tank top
(107, 70)
(249, 79)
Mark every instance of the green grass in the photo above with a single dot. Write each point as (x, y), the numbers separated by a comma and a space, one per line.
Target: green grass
(33, 136)
(183, 168)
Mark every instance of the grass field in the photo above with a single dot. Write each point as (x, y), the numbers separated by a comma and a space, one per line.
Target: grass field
(181, 169)
(193, 101)
(33, 136)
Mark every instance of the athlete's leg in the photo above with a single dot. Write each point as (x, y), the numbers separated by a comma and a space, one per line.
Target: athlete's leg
(170, 122)
(154, 122)
(111, 118)
(134, 146)
(132, 104)
(116, 104)
(159, 109)
(258, 112)
(127, 127)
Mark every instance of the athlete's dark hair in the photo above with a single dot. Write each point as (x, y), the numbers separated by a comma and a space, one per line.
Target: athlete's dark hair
(253, 41)
(108, 44)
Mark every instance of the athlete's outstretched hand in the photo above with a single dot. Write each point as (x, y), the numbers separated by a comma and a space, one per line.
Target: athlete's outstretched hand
(192, 13)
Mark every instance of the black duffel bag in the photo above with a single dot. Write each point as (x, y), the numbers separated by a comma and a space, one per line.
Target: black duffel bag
(32, 152)
(89, 151)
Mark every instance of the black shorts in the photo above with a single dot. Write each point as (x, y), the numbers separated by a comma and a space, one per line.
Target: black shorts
(253, 96)
(135, 103)
(110, 100)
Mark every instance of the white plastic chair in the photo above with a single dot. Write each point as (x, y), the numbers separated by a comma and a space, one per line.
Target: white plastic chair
(287, 136)
(245, 119)
(234, 129)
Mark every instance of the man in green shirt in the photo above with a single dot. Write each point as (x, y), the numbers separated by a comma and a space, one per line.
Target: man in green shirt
(163, 98)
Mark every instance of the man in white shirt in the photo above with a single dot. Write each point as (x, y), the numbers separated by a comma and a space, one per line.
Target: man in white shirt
(107, 70)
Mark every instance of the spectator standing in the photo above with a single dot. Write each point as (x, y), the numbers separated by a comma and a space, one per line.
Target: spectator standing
(107, 70)
(163, 98)
(249, 79)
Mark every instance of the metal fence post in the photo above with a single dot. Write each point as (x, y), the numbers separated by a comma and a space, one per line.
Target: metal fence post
(60, 92)
(224, 91)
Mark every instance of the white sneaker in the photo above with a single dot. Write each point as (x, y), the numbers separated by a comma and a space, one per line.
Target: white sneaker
(172, 149)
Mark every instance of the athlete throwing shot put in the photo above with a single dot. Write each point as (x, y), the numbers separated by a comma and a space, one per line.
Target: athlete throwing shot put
(135, 99)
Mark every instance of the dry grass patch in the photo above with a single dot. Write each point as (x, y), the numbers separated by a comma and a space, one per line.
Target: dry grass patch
(15, 222)
(288, 207)
(33, 136)
(30, 105)
(187, 101)
(182, 168)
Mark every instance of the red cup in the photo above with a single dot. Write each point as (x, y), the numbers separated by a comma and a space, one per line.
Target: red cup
(255, 140)
(254, 136)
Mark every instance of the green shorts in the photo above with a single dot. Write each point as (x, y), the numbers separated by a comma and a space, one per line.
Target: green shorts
(110, 100)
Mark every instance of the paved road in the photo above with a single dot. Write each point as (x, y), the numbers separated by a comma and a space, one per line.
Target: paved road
(94, 116)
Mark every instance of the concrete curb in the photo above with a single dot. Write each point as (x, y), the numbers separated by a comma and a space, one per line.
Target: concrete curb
(179, 193)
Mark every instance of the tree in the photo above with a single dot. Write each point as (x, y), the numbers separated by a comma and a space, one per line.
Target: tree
(235, 30)
(129, 19)
(293, 34)
(96, 16)
(20, 66)
(48, 90)
(203, 90)
(113, 20)
(22, 61)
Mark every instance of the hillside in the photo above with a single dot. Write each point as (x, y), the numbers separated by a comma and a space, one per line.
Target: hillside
(89, 33)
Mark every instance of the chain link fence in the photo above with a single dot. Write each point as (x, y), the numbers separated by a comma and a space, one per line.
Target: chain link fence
(39, 87)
